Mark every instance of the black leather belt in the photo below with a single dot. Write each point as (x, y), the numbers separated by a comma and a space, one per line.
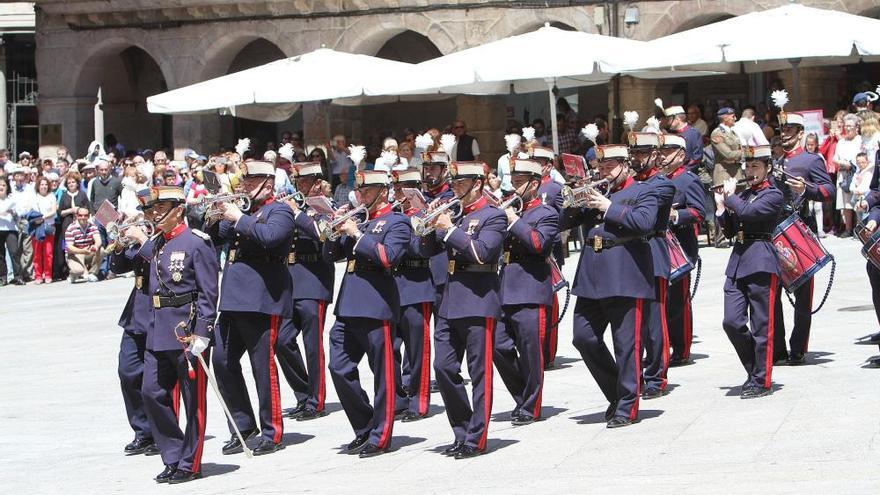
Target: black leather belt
(416, 263)
(743, 237)
(172, 301)
(294, 258)
(601, 243)
(235, 256)
(509, 258)
(471, 267)
(354, 266)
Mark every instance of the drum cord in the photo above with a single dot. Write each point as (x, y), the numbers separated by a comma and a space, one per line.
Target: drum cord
(564, 306)
(697, 277)
(824, 297)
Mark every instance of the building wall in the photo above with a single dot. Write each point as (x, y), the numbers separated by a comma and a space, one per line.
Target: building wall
(194, 40)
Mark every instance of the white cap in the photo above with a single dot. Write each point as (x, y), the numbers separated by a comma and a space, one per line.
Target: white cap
(612, 151)
(672, 141)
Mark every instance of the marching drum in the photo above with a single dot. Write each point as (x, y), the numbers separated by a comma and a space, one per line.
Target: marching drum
(679, 263)
(861, 233)
(871, 249)
(798, 251)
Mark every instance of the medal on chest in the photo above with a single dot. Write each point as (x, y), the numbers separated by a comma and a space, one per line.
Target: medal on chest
(377, 228)
(175, 265)
(472, 226)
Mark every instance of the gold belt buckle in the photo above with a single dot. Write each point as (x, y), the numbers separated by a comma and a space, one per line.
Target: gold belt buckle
(231, 256)
(291, 258)
(350, 267)
(740, 237)
(597, 244)
(139, 282)
(156, 303)
(506, 257)
(451, 267)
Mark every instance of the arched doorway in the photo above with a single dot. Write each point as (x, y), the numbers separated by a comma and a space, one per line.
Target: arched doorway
(126, 77)
(262, 134)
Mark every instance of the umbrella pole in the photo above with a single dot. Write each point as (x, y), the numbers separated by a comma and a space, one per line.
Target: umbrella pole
(553, 125)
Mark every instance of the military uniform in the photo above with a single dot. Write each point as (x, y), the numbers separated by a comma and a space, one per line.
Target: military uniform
(257, 294)
(614, 279)
(728, 154)
(367, 309)
(752, 280)
(469, 308)
(526, 300)
(313, 279)
(183, 290)
(811, 168)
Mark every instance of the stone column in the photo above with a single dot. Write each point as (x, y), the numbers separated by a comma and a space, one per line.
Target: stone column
(818, 87)
(198, 132)
(486, 119)
(75, 115)
(316, 122)
(3, 134)
(635, 94)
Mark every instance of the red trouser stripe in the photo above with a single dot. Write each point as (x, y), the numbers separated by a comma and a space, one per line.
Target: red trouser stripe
(385, 439)
(542, 325)
(322, 381)
(488, 371)
(637, 357)
(686, 318)
(664, 329)
(274, 390)
(425, 383)
(771, 316)
(201, 417)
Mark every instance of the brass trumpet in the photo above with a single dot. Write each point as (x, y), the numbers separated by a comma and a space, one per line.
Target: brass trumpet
(329, 230)
(515, 199)
(423, 226)
(577, 197)
(295, 196)
(115, 231)
(212, 214)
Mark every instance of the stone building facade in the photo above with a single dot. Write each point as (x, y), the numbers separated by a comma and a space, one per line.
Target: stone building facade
(134, 48)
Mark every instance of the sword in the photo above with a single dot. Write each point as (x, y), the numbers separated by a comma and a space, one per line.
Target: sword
(196, 349)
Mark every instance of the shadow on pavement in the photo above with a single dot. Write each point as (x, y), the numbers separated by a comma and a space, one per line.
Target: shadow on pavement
(494, 444)
(599, 417)
(737, 390)
(292, 438)
(210, 469)
(562, 362)
(398, 442)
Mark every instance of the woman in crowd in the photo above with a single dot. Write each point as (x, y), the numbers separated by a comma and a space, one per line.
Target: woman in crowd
(220, 166)
(860, 185)
(8, 236)
(69, 200)
(811, 144)
(128, 202)
(848, 146)
(317, 155)
(44, 237)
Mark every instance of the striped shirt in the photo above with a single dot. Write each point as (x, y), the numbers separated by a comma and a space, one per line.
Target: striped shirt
(80, 237)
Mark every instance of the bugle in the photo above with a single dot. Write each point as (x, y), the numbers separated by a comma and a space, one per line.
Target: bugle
(330, 232)
(577, 197)
(423, 226)
(116, 231)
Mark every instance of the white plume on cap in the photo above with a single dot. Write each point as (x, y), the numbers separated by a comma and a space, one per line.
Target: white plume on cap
(447, 141)
(872, 96)
(286, 152)
(357, 153)
(630, 119)
(385, 161)
(590, 131)
(528, 133)
(242, 146)
(659, 103)
(511, 141)
(424, 141)
(652, 125)
(523, 155)
(779, 97)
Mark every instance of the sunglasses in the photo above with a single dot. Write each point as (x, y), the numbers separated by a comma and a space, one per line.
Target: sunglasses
(458, 127)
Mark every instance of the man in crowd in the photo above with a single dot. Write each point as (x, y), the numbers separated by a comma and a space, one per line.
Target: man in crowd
(728, 156)
(466, 147)
(83, 243)
(340, 163)
(695, 118)
(676, 123)
(25, 200)
(749, 132)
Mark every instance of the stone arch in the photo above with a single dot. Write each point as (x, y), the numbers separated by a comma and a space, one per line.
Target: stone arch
(92, 61)
(368, 37)
(570, 20)
(679, 17)
(219, 52)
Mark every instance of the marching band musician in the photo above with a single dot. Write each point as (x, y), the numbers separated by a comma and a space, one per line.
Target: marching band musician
(801, 167)
(135, 322)
(469, 308)
(256, 295)
(367, 309)
(313, 278)
(643, 161)
(614, 279)
(436, 188)
(526, 292)
(686, 215)
(183, 287)
(415, 285)
(752, 271)
(871, 221)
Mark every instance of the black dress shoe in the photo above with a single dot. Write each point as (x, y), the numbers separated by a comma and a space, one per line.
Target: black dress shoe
(357, 444)
(619, 422)
(152, 450)
(295, 412)
(466, 452)
(872, 362)
(18, 281)
(233, 446)
(182, 476)
(523, 420)
(165, 475)
(453, 449)
(310, 414)
(780, 358)
(139, 446)
(268, 447)
(434, 387)
(549, 365)
(796, 359)
(410, 416)
(754, 392)
(609, 413)
(370, 450)
(872, 339)
(675, 362)
(652, 393)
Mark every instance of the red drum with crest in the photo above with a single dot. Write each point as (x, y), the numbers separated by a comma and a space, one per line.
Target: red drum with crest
(871, 249)
(679, 263)
(798, 251)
